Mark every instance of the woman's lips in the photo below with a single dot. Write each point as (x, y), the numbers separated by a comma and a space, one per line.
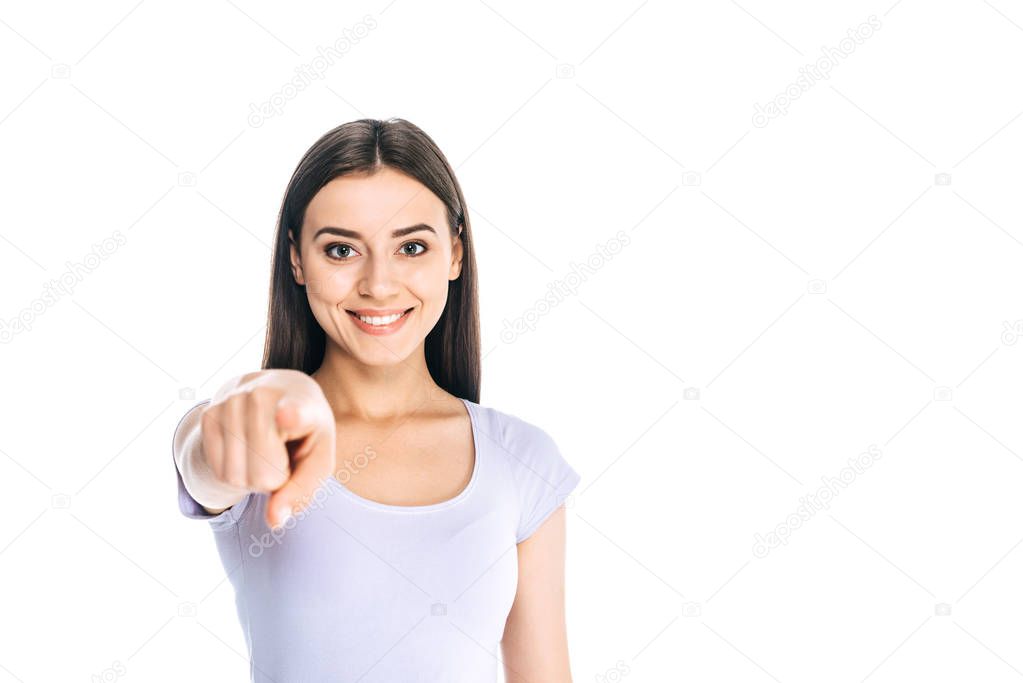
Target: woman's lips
(389, 328)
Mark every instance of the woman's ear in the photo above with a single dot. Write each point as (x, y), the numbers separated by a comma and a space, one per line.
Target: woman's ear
(296, 260)
(456, 256)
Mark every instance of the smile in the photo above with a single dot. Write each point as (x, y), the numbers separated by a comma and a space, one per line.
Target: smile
(380, 324)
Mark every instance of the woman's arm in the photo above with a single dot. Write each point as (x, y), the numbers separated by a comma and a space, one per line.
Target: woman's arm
(535, 643)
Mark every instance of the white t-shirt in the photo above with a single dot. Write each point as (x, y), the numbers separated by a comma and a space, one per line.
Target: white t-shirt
(355, 590)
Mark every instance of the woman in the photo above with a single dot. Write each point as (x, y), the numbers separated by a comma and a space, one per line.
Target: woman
(377, 523)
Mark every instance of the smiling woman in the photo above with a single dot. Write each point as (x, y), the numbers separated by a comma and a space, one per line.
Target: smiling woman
(377, 499)
(404, 275)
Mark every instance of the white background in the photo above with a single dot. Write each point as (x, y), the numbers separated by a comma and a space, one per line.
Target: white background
(817, 284)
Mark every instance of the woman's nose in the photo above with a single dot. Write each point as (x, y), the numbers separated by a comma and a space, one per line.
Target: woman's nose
(378, 277)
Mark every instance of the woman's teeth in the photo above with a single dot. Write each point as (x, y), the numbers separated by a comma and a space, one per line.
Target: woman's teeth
(380, 321)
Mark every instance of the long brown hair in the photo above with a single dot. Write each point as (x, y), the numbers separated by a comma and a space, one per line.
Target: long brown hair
(294, 338)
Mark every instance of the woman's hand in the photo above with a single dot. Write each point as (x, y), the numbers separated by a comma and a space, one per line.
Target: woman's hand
(270, 431)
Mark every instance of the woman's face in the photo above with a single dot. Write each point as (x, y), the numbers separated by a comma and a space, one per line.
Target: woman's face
(377, 245)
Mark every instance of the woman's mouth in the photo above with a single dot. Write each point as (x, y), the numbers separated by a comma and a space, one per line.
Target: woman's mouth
(380, 324)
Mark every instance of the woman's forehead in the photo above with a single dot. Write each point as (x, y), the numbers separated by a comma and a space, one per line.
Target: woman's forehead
(361, 202)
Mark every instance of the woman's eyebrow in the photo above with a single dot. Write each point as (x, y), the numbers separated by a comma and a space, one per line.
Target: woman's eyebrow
(352, 234)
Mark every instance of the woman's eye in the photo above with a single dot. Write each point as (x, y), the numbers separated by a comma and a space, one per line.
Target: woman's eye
(413, 244)
(342, 256)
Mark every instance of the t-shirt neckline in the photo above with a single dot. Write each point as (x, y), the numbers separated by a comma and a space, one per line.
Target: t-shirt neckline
(464, 493)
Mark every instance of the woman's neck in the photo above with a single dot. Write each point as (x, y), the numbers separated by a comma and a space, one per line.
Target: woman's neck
(376, 392)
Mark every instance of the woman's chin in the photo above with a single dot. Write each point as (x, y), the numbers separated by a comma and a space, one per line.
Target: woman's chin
(379, 354)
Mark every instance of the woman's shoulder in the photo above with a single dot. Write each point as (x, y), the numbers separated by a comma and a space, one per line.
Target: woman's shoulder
(509, 426)
(543, 478)
(523, 440)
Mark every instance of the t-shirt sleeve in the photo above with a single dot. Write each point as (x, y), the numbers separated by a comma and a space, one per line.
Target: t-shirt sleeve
(545, 479)
(190, 507)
